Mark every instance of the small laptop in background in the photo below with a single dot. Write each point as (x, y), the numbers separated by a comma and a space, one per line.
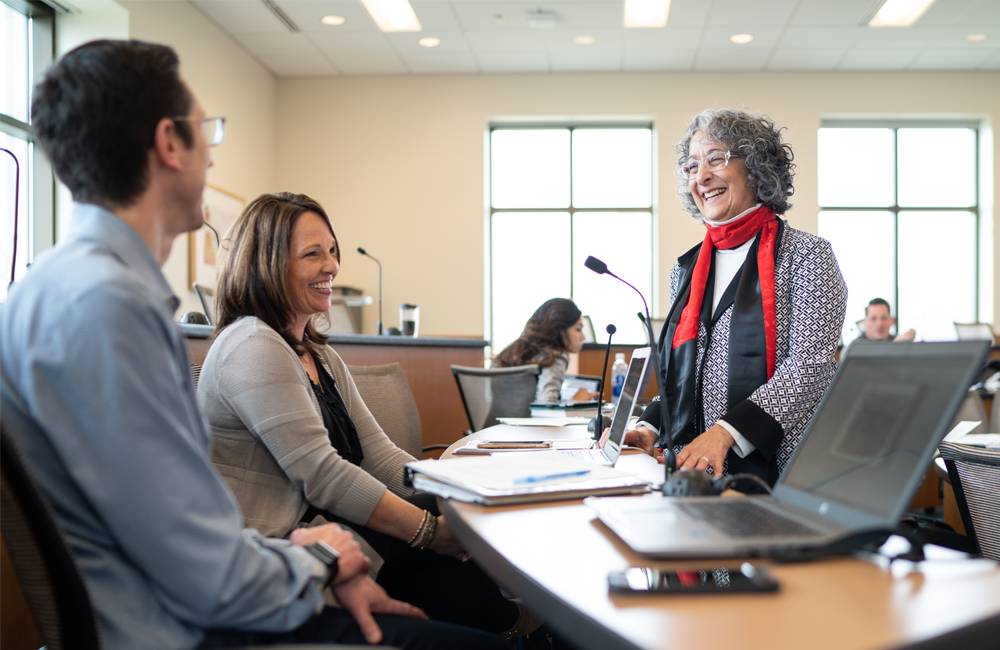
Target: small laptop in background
(858, 465)
(573, 383)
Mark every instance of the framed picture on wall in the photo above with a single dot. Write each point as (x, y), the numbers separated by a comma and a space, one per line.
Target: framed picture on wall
(221, 210)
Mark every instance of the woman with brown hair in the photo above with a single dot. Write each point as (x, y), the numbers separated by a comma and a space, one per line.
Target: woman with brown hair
(291, 434)
(552, 333)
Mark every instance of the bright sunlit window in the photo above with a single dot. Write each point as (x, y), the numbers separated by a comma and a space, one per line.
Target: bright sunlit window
(899, 204)
(557, 195)
(25, 47)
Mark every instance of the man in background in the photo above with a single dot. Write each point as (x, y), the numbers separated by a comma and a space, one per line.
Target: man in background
(98, 394)
(879, 321)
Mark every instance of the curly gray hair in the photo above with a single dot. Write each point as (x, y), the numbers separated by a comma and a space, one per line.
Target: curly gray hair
(757, 140)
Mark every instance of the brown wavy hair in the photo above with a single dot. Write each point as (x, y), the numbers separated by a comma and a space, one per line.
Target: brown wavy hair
(253, 277)
(542, 339)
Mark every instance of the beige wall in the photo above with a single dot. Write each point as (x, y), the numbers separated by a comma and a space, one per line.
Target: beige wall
(398, 161)
(227, 81)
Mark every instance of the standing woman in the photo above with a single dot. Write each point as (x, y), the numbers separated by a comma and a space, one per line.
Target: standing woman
(757, 307)
(552, 333)
(291, 434)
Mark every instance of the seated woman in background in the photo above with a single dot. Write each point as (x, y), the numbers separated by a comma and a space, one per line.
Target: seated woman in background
(291, 434)
(552, 333)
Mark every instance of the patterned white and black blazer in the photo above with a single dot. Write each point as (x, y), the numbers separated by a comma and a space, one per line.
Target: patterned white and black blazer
(811, 302)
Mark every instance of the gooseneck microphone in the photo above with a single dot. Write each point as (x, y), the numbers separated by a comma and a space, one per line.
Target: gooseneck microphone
(598, 421)
(218, 240)
(669, 458)
(17, 202)
(371, 257)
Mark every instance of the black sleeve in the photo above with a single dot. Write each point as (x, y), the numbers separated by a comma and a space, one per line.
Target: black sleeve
(757, 426)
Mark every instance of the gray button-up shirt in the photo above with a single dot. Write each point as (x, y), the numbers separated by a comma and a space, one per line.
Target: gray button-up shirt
(96, 377)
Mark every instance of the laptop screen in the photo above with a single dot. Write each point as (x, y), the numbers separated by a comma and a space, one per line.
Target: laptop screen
(878, 423)
(626, 403)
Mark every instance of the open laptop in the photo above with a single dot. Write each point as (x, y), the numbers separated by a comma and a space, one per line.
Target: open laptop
(607, 449)
(573, 383)
(861, 459)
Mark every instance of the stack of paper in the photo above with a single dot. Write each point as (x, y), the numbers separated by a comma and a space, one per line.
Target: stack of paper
(518, 478)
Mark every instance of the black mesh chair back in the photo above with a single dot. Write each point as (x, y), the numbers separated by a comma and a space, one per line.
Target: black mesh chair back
(48, 576)
(975, 478)
(491, 393)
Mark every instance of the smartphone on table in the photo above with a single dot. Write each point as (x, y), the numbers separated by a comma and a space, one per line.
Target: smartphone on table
(745, 578)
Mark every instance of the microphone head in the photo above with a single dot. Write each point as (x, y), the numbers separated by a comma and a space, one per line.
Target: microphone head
(596, 265)
(362, 251)
(611, 329)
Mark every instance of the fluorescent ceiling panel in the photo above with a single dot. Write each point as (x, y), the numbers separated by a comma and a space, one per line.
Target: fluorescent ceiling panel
(646, 13)
(900, 13)
(393, 15)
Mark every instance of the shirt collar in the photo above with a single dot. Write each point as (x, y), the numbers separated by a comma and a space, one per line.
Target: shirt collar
(96, 223)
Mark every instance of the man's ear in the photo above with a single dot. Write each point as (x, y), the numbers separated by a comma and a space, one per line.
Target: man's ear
(167, 144)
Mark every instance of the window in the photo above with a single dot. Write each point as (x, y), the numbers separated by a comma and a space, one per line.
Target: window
(899, 203)
(26, 50)
(557, 195)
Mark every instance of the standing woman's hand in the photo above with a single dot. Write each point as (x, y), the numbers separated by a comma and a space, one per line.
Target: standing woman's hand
(707, 450)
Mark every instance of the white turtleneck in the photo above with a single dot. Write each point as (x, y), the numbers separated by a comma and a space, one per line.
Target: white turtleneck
(728, 262)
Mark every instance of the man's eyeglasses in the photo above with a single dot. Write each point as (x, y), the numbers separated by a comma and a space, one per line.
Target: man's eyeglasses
(212, 128)
(715, 161)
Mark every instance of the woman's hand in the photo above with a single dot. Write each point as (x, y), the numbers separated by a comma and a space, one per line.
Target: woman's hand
(584, 395)
(446, 543)
(707, 450)
(643, 438)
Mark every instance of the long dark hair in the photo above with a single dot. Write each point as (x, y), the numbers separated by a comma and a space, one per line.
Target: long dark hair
(253, 281)
(542, 340)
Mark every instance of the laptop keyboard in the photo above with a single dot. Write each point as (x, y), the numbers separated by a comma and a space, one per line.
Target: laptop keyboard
(743, 519)
(586, 455)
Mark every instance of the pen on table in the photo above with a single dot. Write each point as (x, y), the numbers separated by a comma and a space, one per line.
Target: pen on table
(549, 477)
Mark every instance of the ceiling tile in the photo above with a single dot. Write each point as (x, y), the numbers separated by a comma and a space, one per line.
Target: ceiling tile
(949, 59)
(484, 41)
(283, 43)
(293, 66)
(746, 14)
(947, 12)
(657, 59)
(360, 43)
(718, 38)
(874, 59)
(684, 38)
(436, 15)
(440, 63)
(534, 61)
(847, 13)
(809, 38)
(992, 61)
(307, 14)
(603, 38)
(578, 59)
(723, 59)
(406, 43)
(351, 64)
(804, 59)
(684, 13)
(912, 37)
(241, 16)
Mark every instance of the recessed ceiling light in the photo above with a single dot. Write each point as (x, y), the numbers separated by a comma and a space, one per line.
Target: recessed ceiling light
(429, 41)
(899, 13)
(976, 38)
(584, 40)
(393, 15)
(646, 13)
(332, 20)
(741, 39)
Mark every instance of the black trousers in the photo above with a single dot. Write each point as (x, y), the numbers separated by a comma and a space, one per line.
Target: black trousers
(334, 625)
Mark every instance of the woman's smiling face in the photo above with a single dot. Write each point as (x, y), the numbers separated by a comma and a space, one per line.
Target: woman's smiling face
(723, 193)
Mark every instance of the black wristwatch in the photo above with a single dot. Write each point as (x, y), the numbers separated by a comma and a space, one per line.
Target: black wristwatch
(329, 557)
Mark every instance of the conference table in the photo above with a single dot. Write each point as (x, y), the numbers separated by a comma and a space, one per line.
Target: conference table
(556, 557)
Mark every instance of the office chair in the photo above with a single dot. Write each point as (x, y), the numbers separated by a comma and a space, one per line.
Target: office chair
(389, 398)
(975, 478)
(975, 332)
(489, 393)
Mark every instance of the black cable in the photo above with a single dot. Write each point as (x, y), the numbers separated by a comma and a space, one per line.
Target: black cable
(17, 200)
(726, 481)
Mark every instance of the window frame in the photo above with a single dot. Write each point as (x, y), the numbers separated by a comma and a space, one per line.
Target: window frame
(571, 210)
(895, 125)
(40, 214)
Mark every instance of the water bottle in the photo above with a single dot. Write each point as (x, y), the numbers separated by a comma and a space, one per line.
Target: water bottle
(618, 370)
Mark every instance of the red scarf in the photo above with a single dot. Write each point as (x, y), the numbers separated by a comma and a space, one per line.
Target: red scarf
(732, 235)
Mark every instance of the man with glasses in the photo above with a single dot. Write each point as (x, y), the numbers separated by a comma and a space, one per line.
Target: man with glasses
(98, 394)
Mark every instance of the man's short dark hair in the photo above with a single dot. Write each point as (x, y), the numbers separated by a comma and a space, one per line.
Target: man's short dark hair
(95, 115)
(874, 302)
